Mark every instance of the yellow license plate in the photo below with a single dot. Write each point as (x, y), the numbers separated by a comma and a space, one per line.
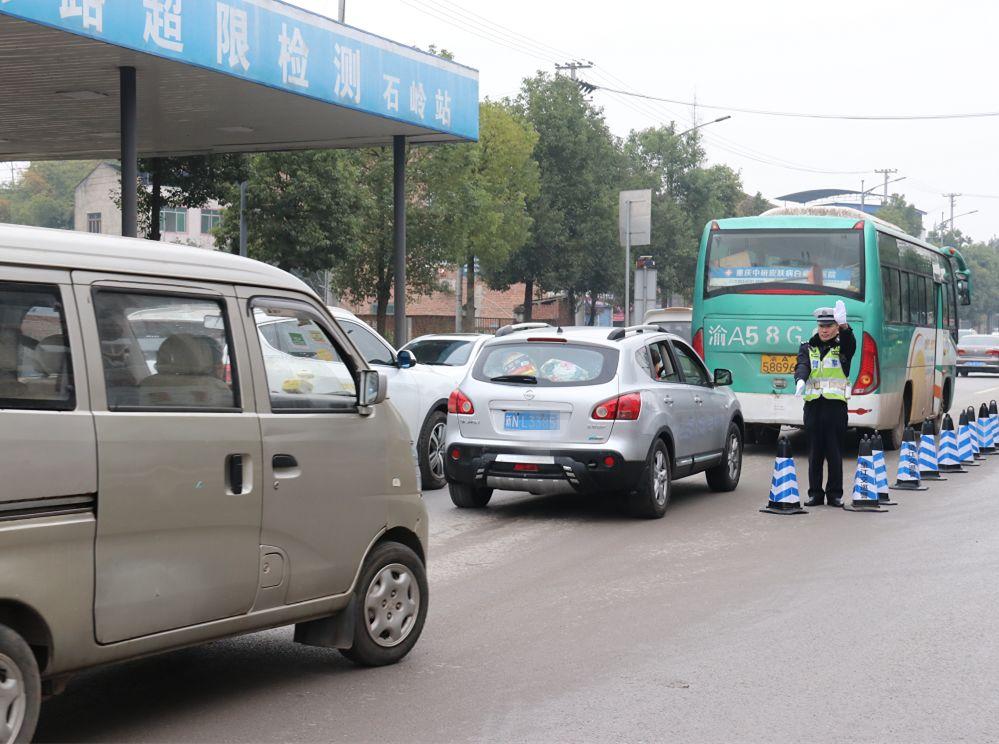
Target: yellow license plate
(778, 364)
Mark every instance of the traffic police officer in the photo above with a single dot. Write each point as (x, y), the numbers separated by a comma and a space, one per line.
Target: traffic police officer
(822, 376)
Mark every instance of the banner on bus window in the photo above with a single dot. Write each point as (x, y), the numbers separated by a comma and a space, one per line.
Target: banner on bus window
(735, 276)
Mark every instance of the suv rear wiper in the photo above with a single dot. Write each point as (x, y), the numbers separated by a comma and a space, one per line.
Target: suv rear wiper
(526, 379)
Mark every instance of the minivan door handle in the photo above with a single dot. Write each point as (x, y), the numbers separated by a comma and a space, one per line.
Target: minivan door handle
(284, 462)
(235, 471)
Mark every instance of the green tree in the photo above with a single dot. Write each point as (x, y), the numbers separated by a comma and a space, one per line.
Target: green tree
(43, 195)
(751, 206)
(573, 241)
(685, 196)
(899, 212)
(472, 198)
(186, 182)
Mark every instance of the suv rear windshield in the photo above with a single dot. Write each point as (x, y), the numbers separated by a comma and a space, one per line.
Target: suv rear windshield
(783, 261)
(546, 364)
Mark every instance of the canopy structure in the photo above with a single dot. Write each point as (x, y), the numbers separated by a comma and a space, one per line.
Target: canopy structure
(150, 78)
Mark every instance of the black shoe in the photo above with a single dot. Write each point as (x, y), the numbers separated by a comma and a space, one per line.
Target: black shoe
(815, 500)
(836, 501)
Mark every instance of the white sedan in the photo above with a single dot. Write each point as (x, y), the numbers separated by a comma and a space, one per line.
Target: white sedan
(451, 354)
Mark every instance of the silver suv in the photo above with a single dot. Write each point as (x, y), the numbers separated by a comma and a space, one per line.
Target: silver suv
(575, 410)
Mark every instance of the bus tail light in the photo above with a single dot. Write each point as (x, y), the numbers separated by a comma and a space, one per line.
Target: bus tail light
(627, 407)
(698, 342)
(870, 371)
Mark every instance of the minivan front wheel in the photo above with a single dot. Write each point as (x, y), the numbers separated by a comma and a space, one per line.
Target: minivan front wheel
(20, 689)
(390, 606)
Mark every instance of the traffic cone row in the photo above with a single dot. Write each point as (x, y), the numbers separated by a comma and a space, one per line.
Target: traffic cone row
(976, 437)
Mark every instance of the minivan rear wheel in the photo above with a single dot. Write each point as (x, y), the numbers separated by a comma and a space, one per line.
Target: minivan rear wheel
(20, 689)
(650, 498)
(467, 496)
(390, 606)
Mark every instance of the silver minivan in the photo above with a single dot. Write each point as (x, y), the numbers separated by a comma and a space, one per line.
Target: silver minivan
(164, 486)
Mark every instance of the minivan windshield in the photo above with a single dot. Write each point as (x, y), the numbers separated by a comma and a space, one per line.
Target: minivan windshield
(546, 364)
(785, 262)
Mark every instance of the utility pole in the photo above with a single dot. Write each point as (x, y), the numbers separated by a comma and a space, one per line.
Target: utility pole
(863, 194)
(886, 172)
(953, 199)
(572, 67)
(342, 10)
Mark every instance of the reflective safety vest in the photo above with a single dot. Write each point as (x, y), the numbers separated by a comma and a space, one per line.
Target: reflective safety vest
(826, 379)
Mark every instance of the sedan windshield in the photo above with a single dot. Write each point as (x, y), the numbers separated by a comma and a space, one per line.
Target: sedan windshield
(442, 352)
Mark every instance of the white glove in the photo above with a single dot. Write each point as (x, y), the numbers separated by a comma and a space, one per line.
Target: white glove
(839, 313)
(799, 388)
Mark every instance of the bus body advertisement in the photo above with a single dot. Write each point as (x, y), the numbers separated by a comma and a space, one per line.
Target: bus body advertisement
(760, 278)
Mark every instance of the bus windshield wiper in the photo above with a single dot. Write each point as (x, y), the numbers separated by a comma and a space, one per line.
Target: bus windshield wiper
(526, 379)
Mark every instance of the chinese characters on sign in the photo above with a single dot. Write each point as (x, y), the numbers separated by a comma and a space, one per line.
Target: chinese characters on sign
(294, 59)
(442, 104)
(348, 73)
(91, 11)
(417, 100)
(232, 39)
(391, 93)
(163, 19)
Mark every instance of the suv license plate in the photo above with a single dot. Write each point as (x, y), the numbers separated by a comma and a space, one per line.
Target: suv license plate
(974, 364)
(530, 420)
(777, 364)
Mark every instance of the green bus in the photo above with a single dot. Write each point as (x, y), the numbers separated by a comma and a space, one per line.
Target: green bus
(759, 279)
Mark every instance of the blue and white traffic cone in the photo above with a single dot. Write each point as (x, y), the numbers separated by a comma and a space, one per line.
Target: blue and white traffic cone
(865, 485)
(949, 456)
(994, 423)
(881, 470)
(976, 437)
(928, 466)
(966, 454)
(784, 495)
(985, 432)
(908, 465)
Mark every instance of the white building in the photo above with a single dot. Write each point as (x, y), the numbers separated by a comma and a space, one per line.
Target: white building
(96, 211)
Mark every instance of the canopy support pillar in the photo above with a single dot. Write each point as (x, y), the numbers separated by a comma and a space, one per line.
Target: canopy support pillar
(129, 153)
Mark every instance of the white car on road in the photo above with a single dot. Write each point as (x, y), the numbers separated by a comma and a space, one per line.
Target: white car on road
(450, 354)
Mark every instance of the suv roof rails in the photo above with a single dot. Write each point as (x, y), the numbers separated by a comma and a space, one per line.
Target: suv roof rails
(618, 333)
(513, 328)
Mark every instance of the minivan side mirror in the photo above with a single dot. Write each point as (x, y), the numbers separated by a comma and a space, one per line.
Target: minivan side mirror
(405, 359)
(723, 377)
(373, 388)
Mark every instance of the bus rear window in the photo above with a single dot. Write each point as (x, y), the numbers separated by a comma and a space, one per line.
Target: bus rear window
(786, 262)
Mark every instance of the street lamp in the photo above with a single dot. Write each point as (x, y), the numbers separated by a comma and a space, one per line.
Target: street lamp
(713, 121)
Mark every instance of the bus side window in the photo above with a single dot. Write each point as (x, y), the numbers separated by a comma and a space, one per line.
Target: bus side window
(931, 302)
(920, 295)
(904, 294)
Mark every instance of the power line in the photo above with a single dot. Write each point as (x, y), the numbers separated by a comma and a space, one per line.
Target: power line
(800, 115)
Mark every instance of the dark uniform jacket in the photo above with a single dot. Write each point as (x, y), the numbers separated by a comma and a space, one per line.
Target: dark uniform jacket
(847, 343)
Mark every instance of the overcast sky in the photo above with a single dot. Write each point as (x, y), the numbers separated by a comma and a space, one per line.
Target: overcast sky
(848, 57)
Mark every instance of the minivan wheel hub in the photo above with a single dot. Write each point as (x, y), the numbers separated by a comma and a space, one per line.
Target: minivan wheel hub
(391, 605)
(13, 699)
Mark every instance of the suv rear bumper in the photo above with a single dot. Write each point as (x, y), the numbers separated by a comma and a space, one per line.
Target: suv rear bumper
(570, 470)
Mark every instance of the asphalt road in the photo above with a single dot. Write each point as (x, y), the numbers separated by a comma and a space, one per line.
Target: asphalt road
(561, 619)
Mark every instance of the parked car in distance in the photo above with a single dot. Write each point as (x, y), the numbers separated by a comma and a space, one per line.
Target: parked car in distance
(676, 320)
(977, 353)
(578, 410)
(451, 354)
(148, 509)
(420, 392)
(962, 332)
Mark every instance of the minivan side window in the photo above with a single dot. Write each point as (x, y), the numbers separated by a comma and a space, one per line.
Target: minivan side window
(693, 371)
(165, 352)
(36, 370)
(307, 371)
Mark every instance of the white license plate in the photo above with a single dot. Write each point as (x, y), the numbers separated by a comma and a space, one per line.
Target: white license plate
(527, 459)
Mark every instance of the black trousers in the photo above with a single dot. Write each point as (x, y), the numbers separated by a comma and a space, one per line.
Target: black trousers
(825, 422)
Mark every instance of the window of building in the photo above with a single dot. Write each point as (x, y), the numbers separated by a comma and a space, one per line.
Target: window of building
(165, 352)
(210, 219)
(93, 222)
(173, 220)
(36, 371)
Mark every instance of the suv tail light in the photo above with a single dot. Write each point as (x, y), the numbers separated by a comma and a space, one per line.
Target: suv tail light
(698, 343)
(627, 407)
(458, 402)
(870, 370)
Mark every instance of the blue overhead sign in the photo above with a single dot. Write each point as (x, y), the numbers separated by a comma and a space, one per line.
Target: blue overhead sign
(280, 46)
